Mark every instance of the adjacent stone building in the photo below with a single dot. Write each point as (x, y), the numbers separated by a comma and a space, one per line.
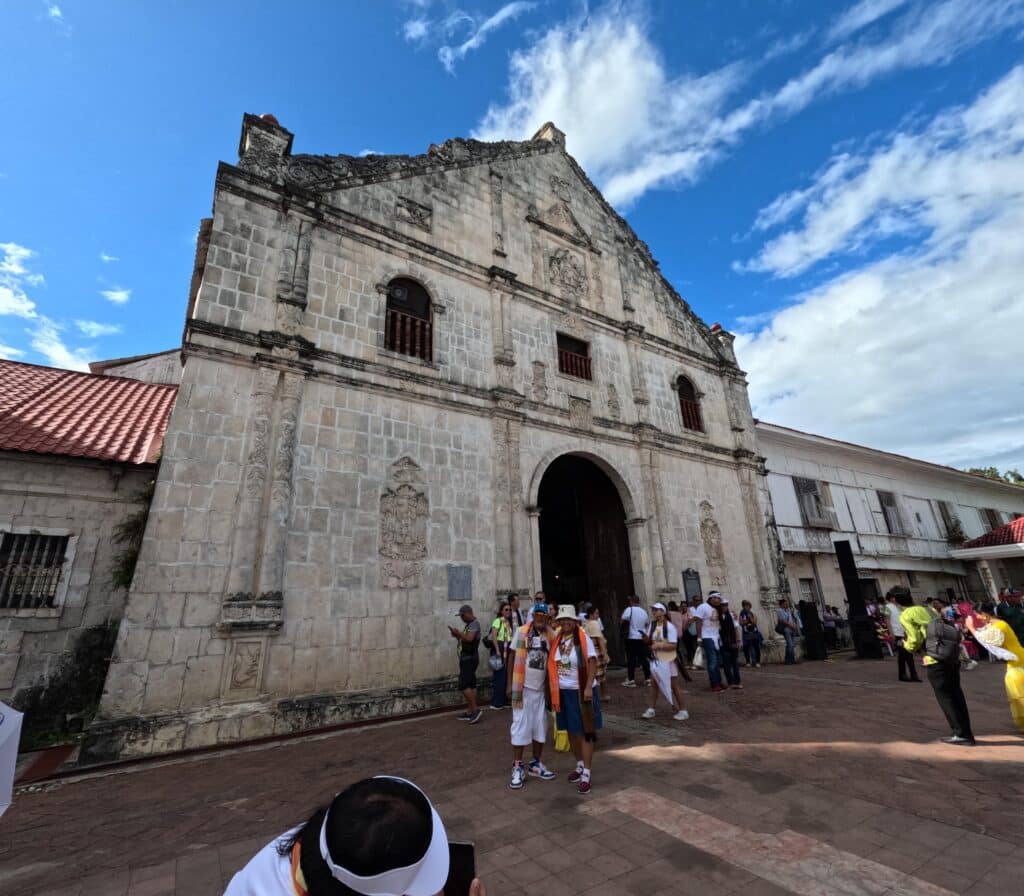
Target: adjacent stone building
(908, 521)
(411, 382)
(77, 454)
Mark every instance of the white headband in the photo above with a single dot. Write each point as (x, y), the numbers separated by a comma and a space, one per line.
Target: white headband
(424, 877)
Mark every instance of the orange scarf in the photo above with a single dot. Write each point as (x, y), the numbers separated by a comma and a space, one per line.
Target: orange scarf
(582, 655)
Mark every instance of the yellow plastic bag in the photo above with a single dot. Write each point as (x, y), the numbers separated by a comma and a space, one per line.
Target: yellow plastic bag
(561, 738)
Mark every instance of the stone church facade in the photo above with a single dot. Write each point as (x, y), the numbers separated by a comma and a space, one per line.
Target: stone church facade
(412, 382)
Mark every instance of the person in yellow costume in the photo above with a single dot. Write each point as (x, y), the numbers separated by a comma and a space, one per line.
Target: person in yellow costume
(999, 640)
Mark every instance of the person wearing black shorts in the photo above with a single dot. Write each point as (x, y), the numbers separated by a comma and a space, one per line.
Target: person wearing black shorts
(469, 659)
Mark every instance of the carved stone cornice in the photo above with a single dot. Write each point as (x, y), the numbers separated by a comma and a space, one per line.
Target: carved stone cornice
(249, 612)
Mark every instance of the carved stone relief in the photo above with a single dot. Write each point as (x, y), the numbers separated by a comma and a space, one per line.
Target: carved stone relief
(540, 382)
(614, 407)
(571, 325)
(711, 535)
(404, 510)
(560, 187)
(407, 211)
(497, 213)
(566, 270)
(245, 665)
(579, 413)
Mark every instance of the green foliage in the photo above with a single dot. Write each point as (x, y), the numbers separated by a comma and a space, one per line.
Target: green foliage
(1012, 477)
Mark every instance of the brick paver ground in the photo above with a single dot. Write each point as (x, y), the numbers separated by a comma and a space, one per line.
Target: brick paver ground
(816, 779)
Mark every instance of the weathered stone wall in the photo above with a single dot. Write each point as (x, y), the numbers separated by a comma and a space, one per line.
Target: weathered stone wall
(38, 647)
(324, 504)
(164, 367)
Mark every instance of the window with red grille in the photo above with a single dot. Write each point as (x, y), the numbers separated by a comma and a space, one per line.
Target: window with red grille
(574, 357)
(689, 405)
(408, 328)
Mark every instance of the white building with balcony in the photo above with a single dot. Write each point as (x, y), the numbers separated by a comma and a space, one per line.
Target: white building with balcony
(904, 519)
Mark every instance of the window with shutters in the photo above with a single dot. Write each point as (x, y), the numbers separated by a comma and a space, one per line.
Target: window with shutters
(408, 327)
(993, 519)
(815, 500)
(689, 405)
(954, 530)
(30, 570)
(891, 513)
(574, 357)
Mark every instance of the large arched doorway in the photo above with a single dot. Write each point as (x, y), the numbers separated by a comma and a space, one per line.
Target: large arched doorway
(584, 546)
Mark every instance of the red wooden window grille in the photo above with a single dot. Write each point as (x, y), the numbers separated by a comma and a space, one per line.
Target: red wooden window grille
(408, 328)
(689, 405)
(574, 357)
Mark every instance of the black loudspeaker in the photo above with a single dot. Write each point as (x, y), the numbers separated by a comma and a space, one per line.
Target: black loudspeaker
(862, 626)
(814, 634)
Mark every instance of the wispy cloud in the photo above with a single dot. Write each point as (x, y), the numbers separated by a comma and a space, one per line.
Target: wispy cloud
(10, 353)
(118, 296)
(107, 259)
(47, 340)
(14, 278)
(93, 329)
(457, 32)
(54, 12)
(925, 333)
(600, 77)
(861, 15)
(56, 15)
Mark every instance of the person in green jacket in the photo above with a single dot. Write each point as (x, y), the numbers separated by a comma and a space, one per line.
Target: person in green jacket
(943, 674)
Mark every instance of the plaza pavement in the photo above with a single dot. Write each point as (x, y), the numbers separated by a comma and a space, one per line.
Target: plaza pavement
(825, 778)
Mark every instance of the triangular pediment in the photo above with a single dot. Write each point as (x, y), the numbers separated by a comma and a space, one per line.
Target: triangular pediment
(559, 220)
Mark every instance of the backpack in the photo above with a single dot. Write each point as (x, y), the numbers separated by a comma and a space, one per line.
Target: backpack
(942, 642)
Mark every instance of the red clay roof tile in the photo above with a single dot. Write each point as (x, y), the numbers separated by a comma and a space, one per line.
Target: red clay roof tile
(46, 410)
(1011, 533)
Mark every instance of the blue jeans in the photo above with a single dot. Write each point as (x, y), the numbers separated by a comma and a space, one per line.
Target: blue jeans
(713, 661)
(790, 643)
(498, 682)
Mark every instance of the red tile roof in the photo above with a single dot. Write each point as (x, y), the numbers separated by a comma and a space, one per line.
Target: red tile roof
(1011, 533)
(46, 410)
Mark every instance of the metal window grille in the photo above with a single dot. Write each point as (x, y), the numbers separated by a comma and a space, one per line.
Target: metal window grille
(689, 405)
(30, 567)
(574, 357)
(408, 328)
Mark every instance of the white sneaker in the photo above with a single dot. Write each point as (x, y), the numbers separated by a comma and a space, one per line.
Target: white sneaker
(973, 664)
(629, 683)
(648, 713)
(518, 777)
(681, 716)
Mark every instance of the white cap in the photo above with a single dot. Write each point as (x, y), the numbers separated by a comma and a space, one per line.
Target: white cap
(425, 877)
(659, 606)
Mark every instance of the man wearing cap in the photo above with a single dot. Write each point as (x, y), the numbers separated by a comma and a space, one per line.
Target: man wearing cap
(539, 600)
(709, 637)
(469, 659)
(528, 690)
(572, 668)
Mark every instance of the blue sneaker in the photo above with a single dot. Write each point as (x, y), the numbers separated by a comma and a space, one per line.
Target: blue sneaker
(538, 770)
(517, 778)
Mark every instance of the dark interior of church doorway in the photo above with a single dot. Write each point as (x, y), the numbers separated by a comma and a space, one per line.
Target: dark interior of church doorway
(584, 547)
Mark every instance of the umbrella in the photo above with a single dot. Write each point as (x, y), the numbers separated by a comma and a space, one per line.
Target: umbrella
(10, 734)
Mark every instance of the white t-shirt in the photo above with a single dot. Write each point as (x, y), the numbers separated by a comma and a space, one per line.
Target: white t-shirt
(663, 640)
(536, 659)
(895, 626)
(637, 619)
(266, 874)
(710, 627)
(567, 662)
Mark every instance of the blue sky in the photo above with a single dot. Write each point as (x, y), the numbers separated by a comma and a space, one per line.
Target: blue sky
(842, 184)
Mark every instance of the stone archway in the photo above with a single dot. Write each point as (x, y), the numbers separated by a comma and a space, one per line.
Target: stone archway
(583, 541)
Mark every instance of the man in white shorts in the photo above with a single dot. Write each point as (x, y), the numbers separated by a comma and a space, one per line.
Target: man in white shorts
(528, 691)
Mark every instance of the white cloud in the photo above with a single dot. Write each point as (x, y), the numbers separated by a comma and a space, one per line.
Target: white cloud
(117, 296)
(600, 78)
(54, 12)
(92, 329)
(914, 351)
(861, 15)
(14, 275)
(10, 353)
(107, 259)
(479, 31)
(46, 339)
(416, 29)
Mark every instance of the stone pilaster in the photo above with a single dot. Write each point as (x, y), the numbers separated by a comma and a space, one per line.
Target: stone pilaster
(497, 214)
(634, 336)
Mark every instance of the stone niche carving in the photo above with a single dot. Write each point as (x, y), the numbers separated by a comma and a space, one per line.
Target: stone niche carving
(540, 382)
(404, 511)
(614, 407)
(567, 271)
(407, 211)
(243, 668)
(561, 188)
(580, 415)
(711, 535)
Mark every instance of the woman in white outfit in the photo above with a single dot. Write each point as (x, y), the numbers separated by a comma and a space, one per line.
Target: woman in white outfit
(663, 640)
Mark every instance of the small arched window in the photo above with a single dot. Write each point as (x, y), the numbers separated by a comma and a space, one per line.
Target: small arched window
(408, 328)
(689, 405)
